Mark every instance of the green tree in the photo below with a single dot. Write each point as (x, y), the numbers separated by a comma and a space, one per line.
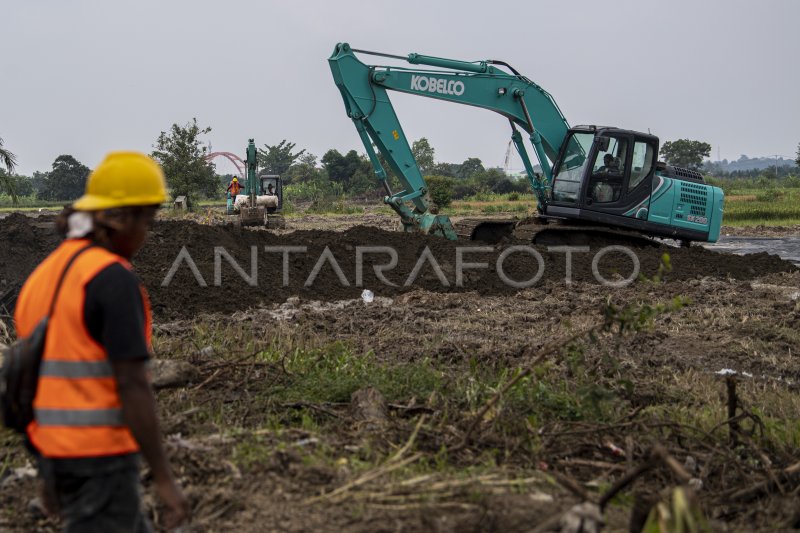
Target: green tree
(23, 185)
(308, 159)
(508, 185)
(487, 179)
(446, 169)
(685, 153)
(182, 157)
(67, 180)
(8, 160)
(39, 183)
(423, 153)
(363, 181)
(277, 159)
(440, 189)
(304, 170)
(470, 167)
(335, 165)
(342, 168)
(798, 155)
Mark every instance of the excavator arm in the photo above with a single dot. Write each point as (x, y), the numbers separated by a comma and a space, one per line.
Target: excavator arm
(481, 84)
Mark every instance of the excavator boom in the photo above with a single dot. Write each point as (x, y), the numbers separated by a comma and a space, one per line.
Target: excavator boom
(364, 91)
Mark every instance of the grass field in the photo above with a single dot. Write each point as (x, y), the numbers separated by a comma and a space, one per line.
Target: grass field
(743, 207)
(768, 207)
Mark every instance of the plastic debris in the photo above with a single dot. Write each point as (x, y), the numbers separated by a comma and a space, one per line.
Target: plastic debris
(731, 372)
(368, 296)
(583, 518)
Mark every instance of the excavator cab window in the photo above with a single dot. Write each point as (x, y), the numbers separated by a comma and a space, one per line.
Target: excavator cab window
(568, 181)
(608, 172)
(641, 163)
(271, 185)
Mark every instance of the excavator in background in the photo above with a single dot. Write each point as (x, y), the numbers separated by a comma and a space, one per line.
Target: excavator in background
(594, 179)
(262, 202)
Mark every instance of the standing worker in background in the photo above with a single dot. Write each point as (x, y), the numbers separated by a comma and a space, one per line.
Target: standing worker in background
(94, 409)
(234, 188)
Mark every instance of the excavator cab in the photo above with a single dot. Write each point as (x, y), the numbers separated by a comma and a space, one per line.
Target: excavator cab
(605, 171)
(272, 185)
(610, 176)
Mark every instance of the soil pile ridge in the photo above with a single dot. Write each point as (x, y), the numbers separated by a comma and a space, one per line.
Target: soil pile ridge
(176, 246)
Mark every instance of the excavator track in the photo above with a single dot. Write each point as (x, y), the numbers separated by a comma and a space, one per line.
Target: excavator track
(547, 232)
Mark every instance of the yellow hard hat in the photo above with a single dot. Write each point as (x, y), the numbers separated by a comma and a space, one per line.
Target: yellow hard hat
(234, 179)
(123, 179)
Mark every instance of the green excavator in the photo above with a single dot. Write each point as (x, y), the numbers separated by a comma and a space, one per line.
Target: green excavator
(264, 196)
(592, 179)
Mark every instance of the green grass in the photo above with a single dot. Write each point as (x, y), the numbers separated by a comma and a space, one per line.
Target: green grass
(333, 372)
(27, 203)
(51, 209)
(493, 197)
(751, 207)
(743, 207)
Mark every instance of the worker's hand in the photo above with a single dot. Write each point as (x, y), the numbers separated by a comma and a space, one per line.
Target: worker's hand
(178, 511)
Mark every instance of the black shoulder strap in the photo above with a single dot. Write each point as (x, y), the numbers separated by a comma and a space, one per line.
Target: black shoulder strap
(63, 275)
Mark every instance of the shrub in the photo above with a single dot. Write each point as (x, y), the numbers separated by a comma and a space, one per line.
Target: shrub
(440, 189)
(771, 195)
(462, 189)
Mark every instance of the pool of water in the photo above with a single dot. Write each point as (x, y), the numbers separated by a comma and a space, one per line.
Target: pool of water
(786, 247)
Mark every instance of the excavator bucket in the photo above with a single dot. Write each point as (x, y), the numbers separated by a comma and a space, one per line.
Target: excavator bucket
(251, 216)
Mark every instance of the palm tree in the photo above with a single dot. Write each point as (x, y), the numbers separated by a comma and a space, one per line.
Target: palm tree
(8, 160)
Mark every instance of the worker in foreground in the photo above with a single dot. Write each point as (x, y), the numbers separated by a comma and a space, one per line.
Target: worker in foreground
(94, 406)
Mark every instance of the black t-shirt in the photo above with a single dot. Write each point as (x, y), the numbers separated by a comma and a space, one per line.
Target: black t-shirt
(114, 313)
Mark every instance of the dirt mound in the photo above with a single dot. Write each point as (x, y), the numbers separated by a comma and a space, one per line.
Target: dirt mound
(189, 268)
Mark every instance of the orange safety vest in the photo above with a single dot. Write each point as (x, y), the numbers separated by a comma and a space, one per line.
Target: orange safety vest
(235, 187)
(77, 410)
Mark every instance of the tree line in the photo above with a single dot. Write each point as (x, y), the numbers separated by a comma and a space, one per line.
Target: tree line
(182, 153)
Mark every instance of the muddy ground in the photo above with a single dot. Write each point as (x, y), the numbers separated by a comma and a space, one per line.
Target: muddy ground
(191, 269)
(268, 430)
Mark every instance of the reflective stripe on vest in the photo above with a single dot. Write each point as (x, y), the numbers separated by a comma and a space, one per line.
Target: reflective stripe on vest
(76, 369)
(77, 406)
(78, 417)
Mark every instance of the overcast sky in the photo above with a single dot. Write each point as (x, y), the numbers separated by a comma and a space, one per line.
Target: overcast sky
(84, 77)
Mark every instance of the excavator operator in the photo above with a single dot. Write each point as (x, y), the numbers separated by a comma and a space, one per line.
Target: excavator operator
(610, 164)
(94, 409)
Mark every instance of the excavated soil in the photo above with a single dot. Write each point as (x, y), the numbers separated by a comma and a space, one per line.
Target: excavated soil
(217, 287)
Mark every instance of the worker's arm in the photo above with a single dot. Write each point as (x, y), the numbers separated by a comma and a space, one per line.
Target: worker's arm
(115, 317)
(139, 414)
